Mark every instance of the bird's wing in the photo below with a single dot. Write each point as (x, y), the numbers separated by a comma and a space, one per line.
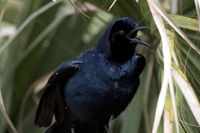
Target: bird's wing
(52, 101)
(140, 64)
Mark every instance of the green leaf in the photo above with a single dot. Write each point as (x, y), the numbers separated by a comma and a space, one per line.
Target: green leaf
(180, 21)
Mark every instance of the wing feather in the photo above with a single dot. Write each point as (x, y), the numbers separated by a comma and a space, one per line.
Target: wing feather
(52, 101)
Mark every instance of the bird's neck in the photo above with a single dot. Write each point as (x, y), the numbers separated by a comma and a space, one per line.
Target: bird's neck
(117, 55)
(121, 56)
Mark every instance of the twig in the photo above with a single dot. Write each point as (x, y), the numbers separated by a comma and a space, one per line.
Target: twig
(112, 4)
(8, 119)
(143, 17)
(96, 15)
(3, 111)
(3, 10)
(197, 4)
(1, 98)
(78, 9)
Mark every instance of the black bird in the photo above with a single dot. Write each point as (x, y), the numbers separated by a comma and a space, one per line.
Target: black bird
(84, 92)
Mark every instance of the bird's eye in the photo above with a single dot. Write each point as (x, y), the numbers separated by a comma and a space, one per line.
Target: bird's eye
(122, 32)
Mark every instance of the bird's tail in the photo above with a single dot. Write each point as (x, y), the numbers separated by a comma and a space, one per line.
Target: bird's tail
(63, 127)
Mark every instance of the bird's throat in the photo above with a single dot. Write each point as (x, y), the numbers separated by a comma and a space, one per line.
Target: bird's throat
(122, 55)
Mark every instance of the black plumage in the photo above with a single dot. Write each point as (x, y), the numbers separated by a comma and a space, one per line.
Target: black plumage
(84, 92)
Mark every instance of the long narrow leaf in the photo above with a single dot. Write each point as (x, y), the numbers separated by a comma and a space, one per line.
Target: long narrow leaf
(174, 6)
(163, 13)
(197, 4)
(163, 92)
(147, 89)
(41, 36)
(27, 21)
(187, 91)
(168, 125)
(167, 71)
(171, 86)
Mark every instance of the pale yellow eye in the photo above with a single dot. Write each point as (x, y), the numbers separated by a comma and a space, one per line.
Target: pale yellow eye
(122, 32)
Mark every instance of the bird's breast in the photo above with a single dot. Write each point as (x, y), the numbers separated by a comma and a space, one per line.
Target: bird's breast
(99, 87)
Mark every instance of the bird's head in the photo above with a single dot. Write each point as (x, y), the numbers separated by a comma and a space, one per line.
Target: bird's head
(120, 39)
(123, 33)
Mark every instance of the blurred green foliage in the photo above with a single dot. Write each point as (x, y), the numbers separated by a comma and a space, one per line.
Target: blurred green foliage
(61, 33)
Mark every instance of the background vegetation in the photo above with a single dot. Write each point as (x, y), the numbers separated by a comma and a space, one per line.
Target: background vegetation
(37, 35)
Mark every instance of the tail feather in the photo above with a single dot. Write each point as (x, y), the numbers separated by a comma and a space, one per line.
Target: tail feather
(63, 127)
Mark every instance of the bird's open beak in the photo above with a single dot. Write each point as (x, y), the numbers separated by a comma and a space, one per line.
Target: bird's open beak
(136, 39)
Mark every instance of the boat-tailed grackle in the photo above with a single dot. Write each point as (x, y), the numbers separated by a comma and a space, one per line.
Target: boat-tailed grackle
(84, 92)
